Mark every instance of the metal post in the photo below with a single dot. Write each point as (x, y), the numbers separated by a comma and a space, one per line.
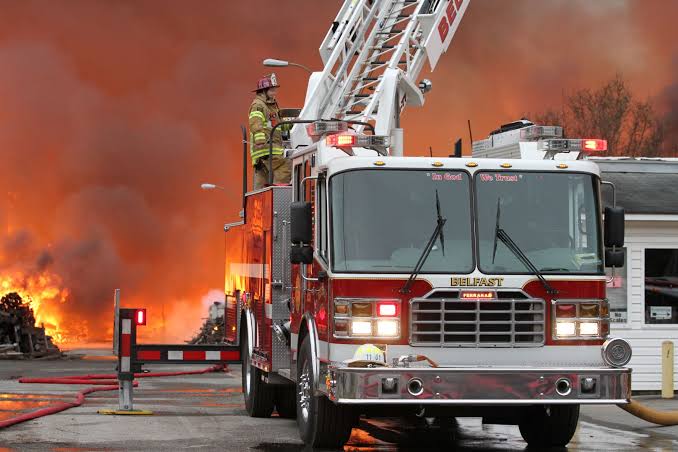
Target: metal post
(116, 320)
(126, 350)
(125, 399)
(125, 374)
(244, 169)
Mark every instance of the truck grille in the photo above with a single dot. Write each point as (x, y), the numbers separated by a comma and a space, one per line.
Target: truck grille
(442, 319)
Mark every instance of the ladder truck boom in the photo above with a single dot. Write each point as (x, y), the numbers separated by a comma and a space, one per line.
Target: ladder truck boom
(373, 54)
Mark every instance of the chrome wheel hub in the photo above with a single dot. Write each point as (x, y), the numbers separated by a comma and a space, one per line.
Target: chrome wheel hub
(248, 374)
(304, 388)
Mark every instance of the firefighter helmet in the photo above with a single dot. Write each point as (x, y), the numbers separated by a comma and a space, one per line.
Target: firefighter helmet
(367, 355)
(266, 82)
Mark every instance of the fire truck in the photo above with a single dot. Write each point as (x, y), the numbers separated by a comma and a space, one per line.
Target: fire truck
(435, 287)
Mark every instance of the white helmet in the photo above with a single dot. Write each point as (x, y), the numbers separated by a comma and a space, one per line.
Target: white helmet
(367, 355)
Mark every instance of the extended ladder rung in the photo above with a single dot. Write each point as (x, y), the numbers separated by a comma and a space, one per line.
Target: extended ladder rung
(378, 63)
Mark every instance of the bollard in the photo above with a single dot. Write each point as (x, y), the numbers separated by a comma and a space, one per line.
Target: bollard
(667, 370)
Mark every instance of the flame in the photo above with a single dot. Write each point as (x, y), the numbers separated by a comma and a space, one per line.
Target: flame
(45, 294)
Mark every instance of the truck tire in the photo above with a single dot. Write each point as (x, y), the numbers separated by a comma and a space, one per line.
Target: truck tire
(258, 394)
(555, 427)
(286, 402)
(321, 422)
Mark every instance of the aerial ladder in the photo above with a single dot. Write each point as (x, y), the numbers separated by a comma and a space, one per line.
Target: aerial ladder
(373, 55)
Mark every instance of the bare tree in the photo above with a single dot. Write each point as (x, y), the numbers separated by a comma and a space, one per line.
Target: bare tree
(630, 127)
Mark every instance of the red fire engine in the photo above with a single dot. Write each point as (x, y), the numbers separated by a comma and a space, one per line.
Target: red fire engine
(443, 287)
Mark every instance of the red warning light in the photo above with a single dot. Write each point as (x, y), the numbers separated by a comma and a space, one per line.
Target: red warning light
(592, 144)
(387, 309)
(140, 317)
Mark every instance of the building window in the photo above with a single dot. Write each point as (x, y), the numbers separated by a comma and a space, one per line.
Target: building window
(661, 286)
(617, 292)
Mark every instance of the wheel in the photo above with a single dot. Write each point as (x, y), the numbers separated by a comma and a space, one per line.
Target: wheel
(321, 422)
(258, 394)
(286, 402)
(551, 426)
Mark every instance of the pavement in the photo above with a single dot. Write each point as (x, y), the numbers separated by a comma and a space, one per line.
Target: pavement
(206, 412)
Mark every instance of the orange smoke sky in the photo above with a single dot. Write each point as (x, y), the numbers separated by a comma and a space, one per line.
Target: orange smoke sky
(113, 113)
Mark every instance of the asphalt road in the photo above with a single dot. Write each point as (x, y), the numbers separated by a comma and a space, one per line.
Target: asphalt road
(206, 412)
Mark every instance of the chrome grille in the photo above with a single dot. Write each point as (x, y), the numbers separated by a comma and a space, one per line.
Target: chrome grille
(443, 319)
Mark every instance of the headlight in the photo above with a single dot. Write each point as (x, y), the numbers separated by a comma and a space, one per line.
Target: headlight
(580, 319)
(361, 328)
(566, 329)
(363, 317)
(588, 328)
(387, 328)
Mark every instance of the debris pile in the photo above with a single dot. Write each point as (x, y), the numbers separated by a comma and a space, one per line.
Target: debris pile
(19, 336)
(212, 330)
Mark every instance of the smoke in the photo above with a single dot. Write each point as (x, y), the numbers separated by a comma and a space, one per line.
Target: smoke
(113, 113)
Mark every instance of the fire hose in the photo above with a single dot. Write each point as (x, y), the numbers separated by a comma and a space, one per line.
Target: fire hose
(100, 382)
(649, 414)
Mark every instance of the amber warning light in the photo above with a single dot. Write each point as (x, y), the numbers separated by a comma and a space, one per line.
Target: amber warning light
(140, 317)
(478, 295)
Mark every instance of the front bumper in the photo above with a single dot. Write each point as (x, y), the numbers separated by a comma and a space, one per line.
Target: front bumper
(478, 385)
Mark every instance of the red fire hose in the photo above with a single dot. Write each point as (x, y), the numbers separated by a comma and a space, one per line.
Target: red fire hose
(106, 382)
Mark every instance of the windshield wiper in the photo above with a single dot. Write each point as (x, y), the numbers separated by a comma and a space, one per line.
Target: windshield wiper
(437, 232)
(502, 235)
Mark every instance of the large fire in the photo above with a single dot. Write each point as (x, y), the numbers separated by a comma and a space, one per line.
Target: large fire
(104, 141)
(45, 294)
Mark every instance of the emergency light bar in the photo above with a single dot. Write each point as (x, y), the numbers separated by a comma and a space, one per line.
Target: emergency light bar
(533, 133)
(320, 128)
(365, 141)
(567, 145)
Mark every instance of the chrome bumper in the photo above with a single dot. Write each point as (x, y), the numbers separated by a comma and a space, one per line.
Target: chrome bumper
(477, 385)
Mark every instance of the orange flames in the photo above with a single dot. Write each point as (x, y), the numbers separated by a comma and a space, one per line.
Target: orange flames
(45, 295)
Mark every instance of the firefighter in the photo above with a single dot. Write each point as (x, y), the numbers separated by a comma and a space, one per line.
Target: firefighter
(263, 116)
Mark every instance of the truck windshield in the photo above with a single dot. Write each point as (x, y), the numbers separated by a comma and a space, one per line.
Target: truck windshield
(382, 220)
(552, 217)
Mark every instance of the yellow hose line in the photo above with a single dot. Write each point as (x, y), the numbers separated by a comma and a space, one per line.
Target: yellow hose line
(650, 415)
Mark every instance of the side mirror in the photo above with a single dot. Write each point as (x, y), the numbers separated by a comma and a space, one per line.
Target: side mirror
(300, 254)
(614, 258)
(301, 227)
(614, 226)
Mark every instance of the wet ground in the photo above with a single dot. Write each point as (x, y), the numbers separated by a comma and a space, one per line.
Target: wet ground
(206, 412)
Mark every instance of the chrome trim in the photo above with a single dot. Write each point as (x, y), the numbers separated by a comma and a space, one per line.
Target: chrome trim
(315, 361)
(477, 322)
(251, 330)
(480, 385)
(568, 387)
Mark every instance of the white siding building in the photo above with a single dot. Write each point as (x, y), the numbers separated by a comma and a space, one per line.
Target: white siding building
(644, 296)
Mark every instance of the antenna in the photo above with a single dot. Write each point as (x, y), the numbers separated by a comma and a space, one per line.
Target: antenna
(430, 151)
(470, 133)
